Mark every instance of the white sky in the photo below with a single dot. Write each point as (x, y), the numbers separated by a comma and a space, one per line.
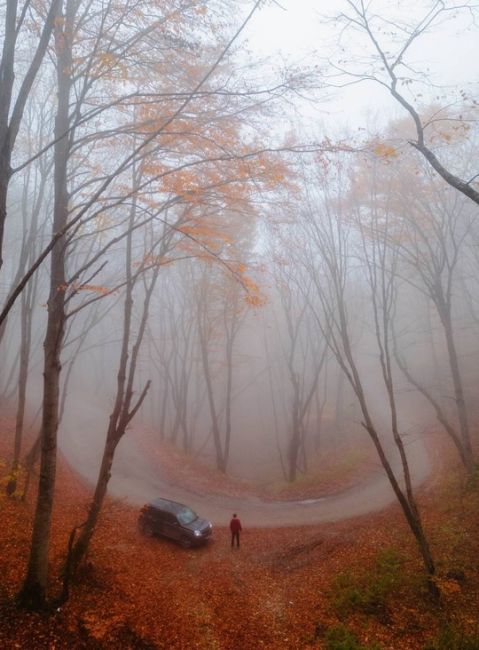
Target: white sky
(298, 32)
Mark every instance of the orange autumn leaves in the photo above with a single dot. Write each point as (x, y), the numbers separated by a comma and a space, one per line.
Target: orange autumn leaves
(277, 592)
(213, 179)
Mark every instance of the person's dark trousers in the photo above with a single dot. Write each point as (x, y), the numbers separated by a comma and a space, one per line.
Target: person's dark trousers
(233, 537)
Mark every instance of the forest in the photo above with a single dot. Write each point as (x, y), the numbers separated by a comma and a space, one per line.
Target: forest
(239, 251)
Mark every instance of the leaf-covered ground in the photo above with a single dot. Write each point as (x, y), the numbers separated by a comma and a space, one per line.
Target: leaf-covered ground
(329, 471)
(285, 588)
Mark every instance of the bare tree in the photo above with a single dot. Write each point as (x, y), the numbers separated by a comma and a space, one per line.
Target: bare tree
(388, 41)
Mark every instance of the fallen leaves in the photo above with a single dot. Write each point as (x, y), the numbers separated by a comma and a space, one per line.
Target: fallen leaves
(274, 593)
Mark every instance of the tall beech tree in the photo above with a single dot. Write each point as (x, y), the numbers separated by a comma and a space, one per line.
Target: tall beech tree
(33, 591)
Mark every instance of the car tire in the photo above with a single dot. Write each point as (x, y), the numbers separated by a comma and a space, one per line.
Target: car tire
(185, 542)
(145, 529)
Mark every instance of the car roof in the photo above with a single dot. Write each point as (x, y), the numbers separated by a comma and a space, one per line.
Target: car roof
(167, 505)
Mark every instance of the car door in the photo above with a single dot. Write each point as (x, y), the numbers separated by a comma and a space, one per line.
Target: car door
(155, 521)
(171, 527)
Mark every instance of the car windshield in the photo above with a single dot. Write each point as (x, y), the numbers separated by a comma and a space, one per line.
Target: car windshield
(186, 515)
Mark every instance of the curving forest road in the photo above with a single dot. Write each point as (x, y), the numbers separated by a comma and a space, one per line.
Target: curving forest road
(135, 480)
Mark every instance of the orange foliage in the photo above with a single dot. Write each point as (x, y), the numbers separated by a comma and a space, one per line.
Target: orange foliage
(384, 150)
(95, 288)
(253, 296)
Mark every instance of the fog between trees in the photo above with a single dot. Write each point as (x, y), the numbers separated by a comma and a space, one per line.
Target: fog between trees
(172, 262)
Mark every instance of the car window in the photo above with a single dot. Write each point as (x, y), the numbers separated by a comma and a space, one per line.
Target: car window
(155, 514)
(186, 515)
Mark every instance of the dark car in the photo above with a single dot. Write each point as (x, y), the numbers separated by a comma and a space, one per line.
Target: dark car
(175, 521)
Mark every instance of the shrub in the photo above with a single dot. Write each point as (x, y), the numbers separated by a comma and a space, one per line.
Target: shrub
(340, 638)
(453, 639)
(10, 480)
(367, 591)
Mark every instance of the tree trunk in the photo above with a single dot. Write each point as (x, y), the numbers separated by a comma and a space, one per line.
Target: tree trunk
(339, 405)
(30, 459)
(78, 551)
(7, 79)
(458, 391)
(26, 324)
(228, 395)
(33, 592)
(295, 440)
(163, 408)
(406, 501)
(5, 174)
(220, 460)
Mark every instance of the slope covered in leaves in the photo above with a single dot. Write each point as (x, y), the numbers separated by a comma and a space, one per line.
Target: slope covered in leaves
(285, 588)
(330, 470)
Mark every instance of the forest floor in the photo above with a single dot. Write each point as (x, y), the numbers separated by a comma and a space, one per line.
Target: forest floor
(354, 585)
(329, 471)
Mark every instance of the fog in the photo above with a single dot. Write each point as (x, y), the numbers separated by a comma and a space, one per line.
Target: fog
(270, 306)
(279, 348)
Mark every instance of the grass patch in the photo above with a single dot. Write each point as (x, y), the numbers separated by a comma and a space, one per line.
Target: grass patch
(367, 591)
(340, 638)
(453, 639)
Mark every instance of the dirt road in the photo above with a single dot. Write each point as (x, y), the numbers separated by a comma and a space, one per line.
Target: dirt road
(135, 480)
(138, 483)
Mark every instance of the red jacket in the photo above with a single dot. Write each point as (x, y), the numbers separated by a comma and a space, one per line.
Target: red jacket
(235, 525)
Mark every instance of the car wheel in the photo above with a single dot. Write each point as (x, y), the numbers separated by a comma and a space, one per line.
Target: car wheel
(145, 528)
(185, 542)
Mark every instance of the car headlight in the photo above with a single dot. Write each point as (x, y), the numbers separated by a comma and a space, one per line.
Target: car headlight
(197, 533)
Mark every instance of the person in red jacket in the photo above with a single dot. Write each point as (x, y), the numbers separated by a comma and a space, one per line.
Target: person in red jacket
(235, 527)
